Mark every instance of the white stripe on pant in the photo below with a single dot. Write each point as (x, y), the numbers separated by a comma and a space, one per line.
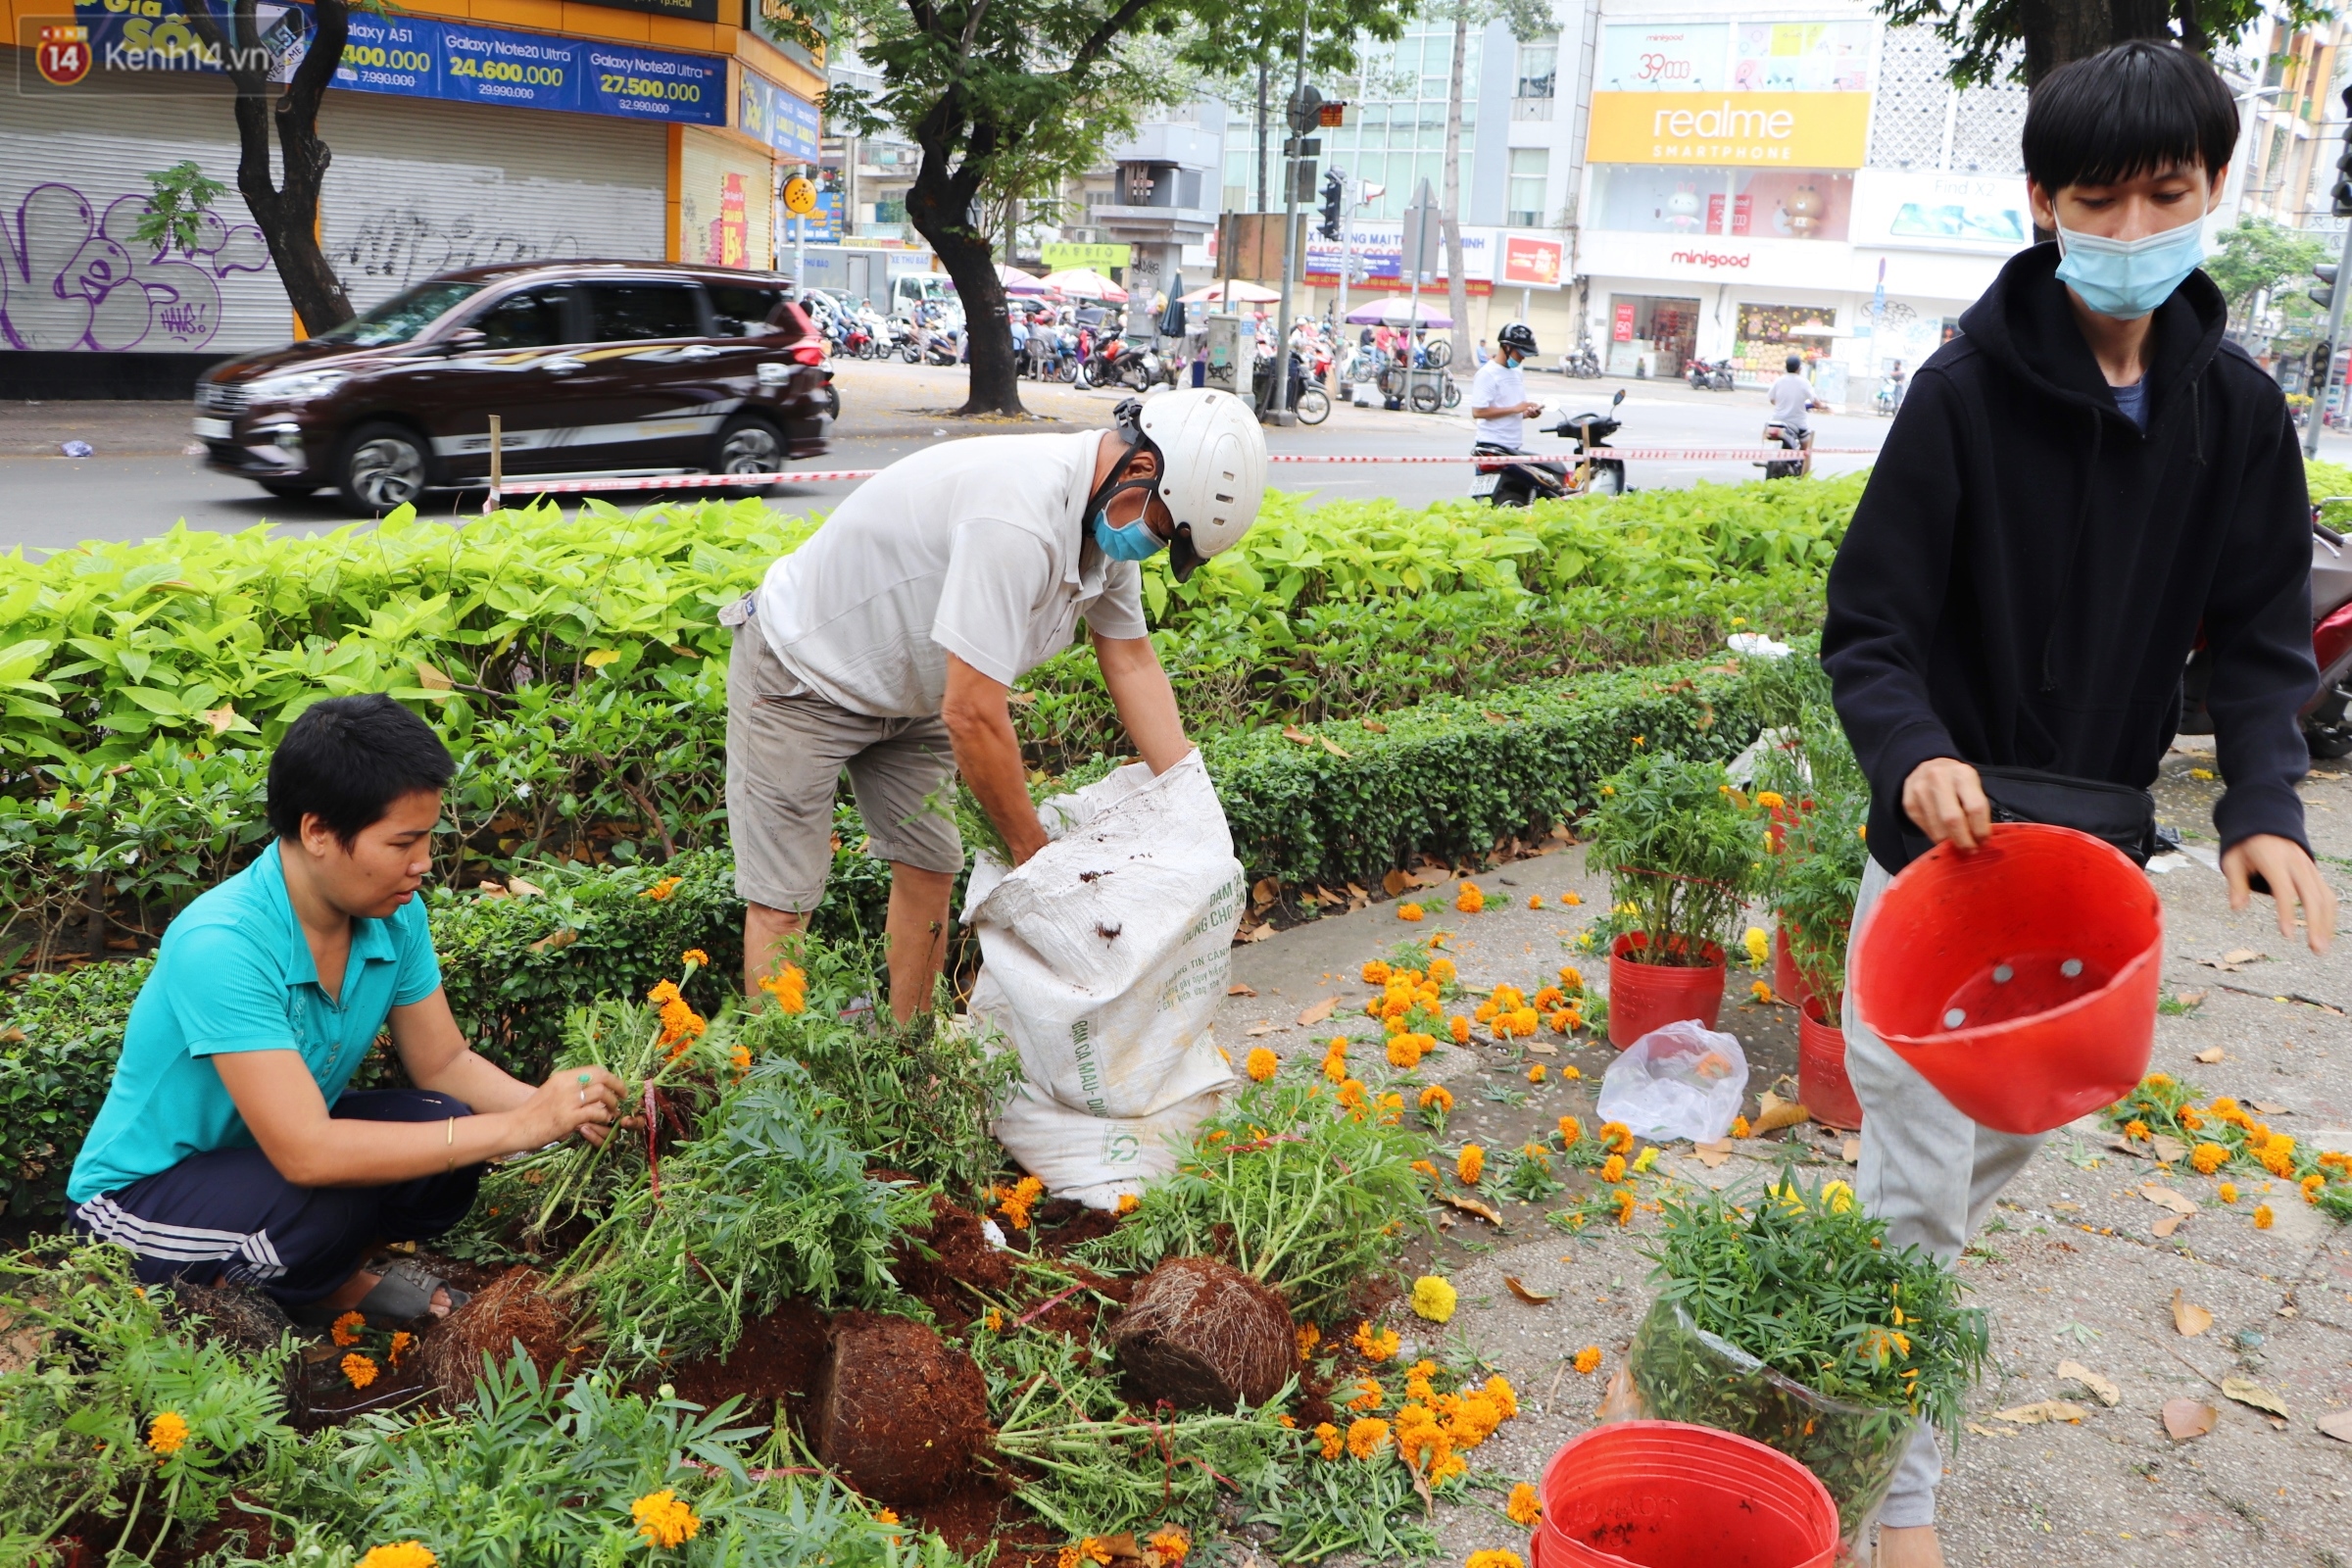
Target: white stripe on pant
(1930, 1173)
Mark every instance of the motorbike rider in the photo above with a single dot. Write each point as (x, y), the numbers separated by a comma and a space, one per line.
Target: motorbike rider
(1499, 399)
(1793, 401)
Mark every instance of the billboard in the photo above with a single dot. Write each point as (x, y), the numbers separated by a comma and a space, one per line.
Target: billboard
(1715, 94)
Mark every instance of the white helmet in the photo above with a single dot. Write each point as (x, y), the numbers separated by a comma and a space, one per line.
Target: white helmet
(1212, 470)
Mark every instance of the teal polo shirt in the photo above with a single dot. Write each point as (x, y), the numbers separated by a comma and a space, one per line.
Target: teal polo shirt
(234, 973)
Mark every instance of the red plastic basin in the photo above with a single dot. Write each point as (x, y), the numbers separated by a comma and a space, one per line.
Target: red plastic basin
(1667, 1495)
(2021, 979)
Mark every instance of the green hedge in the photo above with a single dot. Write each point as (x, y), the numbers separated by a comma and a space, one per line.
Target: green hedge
(1449, 777)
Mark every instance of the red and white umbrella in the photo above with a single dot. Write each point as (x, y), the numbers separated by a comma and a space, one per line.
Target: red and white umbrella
(1243, 294)
(1017, 282)
(1085, 283)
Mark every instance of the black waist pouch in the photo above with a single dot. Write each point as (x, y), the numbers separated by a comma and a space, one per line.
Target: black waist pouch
(2115, 814)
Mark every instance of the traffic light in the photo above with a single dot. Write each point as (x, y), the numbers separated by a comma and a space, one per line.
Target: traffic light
(2320, 354)
(2325, 295)
(2340, 194)
(1334, 200)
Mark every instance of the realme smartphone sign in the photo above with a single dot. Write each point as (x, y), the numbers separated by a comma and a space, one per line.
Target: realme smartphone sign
(1719, 130)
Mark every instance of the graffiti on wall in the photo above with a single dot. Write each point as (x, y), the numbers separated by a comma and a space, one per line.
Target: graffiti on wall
(403, 246)
(74, 277)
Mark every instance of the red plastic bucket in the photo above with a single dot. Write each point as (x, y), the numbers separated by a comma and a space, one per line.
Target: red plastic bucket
(1821, 1080)
(1648, 996)
(1788, 980)
(2020, 980)
(1666, 1495)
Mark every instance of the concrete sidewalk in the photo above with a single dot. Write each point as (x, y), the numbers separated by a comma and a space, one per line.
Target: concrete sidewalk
(2070, 1267)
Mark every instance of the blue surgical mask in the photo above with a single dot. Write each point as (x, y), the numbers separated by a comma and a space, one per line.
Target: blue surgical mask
(1135, 542)
(2127, 278)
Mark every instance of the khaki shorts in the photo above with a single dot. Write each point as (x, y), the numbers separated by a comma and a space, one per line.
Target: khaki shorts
(786, 749)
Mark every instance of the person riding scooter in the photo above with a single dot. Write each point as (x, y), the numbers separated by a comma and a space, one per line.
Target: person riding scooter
(1793, 403)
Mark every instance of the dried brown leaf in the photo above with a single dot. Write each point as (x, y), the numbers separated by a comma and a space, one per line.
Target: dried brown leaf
(2184, 1419)
(2040, 1410)
(1236, 989)
(2211, 1054)
(1318, 1013)
(2188, 1318)
(1471, 1205)
(1374, 725)
(2169, 1224)
(1256, 933)
(1265, 890)
(2169, 1151)
(1714, 1154)
(1531, 1297)
(2247, 1392)
(1334, 748)
(1774, 1113)
(2166, 1197)
(2336, 1424)
(2103, 1388)
(1263, 1026)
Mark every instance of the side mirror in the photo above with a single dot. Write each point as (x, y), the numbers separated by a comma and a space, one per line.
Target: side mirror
(1619, 398)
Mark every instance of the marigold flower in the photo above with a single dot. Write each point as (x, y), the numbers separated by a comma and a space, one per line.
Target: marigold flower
(1351, 1093)
(1375, 972)
(1333, 1442)
(1308, 1337)
(1758, 945)
(790, 988)
(662, 1520)
(1571, 1130)
(2311, 1185)
(1335, 1066)
(1375, 1345)
(1617, 1137)
(1473, 1420)
(1649, 1156)
(166, 1434)
(1625, 1205)
(1018, 1200)
(1417, 1386)
(994, 1321)
(696, 957)
(401, 1342)
(1741, 1127)
(1525, 1022)
(2262, 1216)
(1613, 1169)
(1261, 1064)
(2158, 1080)
(1067, 1558)
(2136, 1129)
(1434, 1297)
(2188, 1118)
(1129, 1202)
(1770, 799)
(400, 1555)
(1404, 1051)
(1172, 1545)
(1458, 1027)
(1760, 991)
(1523, 1510)
(1367, 1437)
(661, 889)
(1408, 912)
(1505, 1397)
(1588, 1359)
(1470, 899)
(358, 1370)
(2229, 1191)
(1446, 1469)
(1470, 1164)
(1442, 970)
(345, 1330)
(1370, 1396)
(1535, 1074)
(1425, 1168)
(1838, 1198)
(1095, 1549)
(1487, 1010)
(1572, 900)
(1534, 901)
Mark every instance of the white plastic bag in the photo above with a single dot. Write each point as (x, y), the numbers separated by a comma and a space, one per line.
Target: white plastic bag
(1679, 1080)
(1104, 958)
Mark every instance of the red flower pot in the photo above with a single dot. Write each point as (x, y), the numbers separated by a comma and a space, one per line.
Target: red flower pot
(1788, 980)
(1665, 1494)
(1648, 995)
(1821, 1080)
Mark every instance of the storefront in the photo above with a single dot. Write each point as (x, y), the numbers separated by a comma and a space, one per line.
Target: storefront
(1650, 335)
(458, 141)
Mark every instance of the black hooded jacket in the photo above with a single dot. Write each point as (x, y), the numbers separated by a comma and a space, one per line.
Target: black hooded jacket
(2027, 573)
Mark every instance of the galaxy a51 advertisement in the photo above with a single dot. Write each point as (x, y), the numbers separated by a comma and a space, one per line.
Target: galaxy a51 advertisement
(403, 56)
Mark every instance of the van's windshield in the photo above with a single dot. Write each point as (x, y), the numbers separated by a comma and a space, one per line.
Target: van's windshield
(402, 316)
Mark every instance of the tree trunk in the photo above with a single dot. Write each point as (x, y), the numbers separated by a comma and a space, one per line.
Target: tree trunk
(2057, 31)
(1263, 110)
(1449, 201)
(286, 212)
(939, 204)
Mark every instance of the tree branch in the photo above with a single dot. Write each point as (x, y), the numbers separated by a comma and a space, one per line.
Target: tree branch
(1117, 22)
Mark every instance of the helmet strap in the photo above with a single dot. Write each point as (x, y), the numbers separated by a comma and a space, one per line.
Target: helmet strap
(1116, 485)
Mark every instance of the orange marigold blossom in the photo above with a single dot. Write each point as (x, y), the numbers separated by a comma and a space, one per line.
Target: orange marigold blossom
(1470, 899)
(358, 1370)
(1129, 1202)
(1588, 1359)
(166, 1434)
(1573, 1072)
(1172, 1545)
(1625, 1205)
(1308, 1337)
(1404, 1051)
(1505, 1397)
(1261, 1064)
(1369, 1396)
(400, 1555)
(1375, 1345)
(1458, 1027)
(345, 1330)
(1741, 1127)
(1408, 912)
(401, 1342)
(1441, 969)
(1333, 1442)
(1425, 1168)
(696, 957)
(2311, 1185)
(2262, 1216)
(1613, 1169)
(1535, 1074)
(1470, 1164)
(2136, 1129)
(1375, 972)
(1571, 1130)
(1617, 1137)
(1523, 1510)
(1436, 1095)
(1367, 1437)
(1095, 1549)
(2229, 1191)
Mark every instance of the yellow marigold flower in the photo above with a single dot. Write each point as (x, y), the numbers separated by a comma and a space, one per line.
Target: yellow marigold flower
(1639, 741)
(1525, 1022)
(1535, 1074)
(994, 1321)
(1617, 1137)
(1470, 899)
(662, 1520)
(1572, 1072)
(1446, 1469)
(1172, 1545)
(1838, 1197)
(2223, 1107)
(2136, 1129)
(1129, 1202)
(1434, 1297)
(1771, 797)
(1375, 1345)
(2158, 1080)
(1571, 1130)
(1613, 1169)
(2229, 1191)
(1333, 1442)
(1758, 945)
(1625, 1205)
(1588, 1359)
(1649, 1156)
(1335, 1066)
(1261, 1064)
(2262, 1216)
(1442, 970)
(1523, 1510)
(2206, 1158)
(696, 957)
(1438, 1096)
(1509, 996)
(1760, 991)
(1408, 912)
(1470, 1164)
(359, 1370)
(1067, 1558)
(400, 1555)
(166, 1434)
(345, 1330)
(1375, 972)
(1367, 1437)
(1741, 1127)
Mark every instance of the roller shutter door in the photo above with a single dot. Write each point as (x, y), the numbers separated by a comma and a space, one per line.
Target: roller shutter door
(418, 188)
(726, 202)
(73, 168)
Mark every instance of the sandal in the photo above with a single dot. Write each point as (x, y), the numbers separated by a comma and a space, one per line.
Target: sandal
(403, 1295)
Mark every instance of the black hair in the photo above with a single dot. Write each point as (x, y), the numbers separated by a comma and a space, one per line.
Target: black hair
(2138, 107)
(1793, 363)
(346, 760)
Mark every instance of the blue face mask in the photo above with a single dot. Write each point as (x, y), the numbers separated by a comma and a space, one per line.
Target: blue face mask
(2127, 278)
(1134, 542)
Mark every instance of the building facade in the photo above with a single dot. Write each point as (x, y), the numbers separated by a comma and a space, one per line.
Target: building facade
(461, 132)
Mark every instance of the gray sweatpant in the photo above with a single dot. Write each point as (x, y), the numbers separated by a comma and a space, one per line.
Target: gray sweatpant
(1930, 1173)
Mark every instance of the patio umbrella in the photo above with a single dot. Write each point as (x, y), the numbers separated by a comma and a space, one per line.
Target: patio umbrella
(1243, 294)
(1084, 283)
(1171, 320)
(1395, 311)
(1017, 282)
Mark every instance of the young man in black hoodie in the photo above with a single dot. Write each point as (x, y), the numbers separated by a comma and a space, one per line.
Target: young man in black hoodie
(2075, 486)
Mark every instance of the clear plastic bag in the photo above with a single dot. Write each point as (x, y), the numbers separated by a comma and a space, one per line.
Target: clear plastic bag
(1680, 1080)
(1681, 1372)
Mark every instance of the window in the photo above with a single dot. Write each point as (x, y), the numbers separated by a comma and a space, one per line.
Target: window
(1530, 167)
(532, 319)
(625, 312)
(402, 316)
(1539, 67)
(744, 312)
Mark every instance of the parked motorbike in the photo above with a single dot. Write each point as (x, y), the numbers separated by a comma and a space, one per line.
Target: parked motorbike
(1705, 377)
(1523, 479)
(1115, 362)
(1582, 364)
(2327, 727)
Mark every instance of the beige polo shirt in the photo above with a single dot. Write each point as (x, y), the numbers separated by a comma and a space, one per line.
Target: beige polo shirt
(974, 548)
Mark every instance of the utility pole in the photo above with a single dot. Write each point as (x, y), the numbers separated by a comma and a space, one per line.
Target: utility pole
(1302, 116)
(2337, 278)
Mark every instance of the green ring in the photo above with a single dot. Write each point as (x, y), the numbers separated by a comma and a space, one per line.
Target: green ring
(583, 1080)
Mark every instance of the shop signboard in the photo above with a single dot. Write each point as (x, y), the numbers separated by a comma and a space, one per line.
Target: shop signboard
(778, 116)
(1530, 261)
(1795, 94)
(681, 10)
(1377, 249)
(1983, 214)
(798, 35)
(1060, 256)
(424, 57)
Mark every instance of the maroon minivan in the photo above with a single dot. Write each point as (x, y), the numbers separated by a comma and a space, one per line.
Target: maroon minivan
(596, 370)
